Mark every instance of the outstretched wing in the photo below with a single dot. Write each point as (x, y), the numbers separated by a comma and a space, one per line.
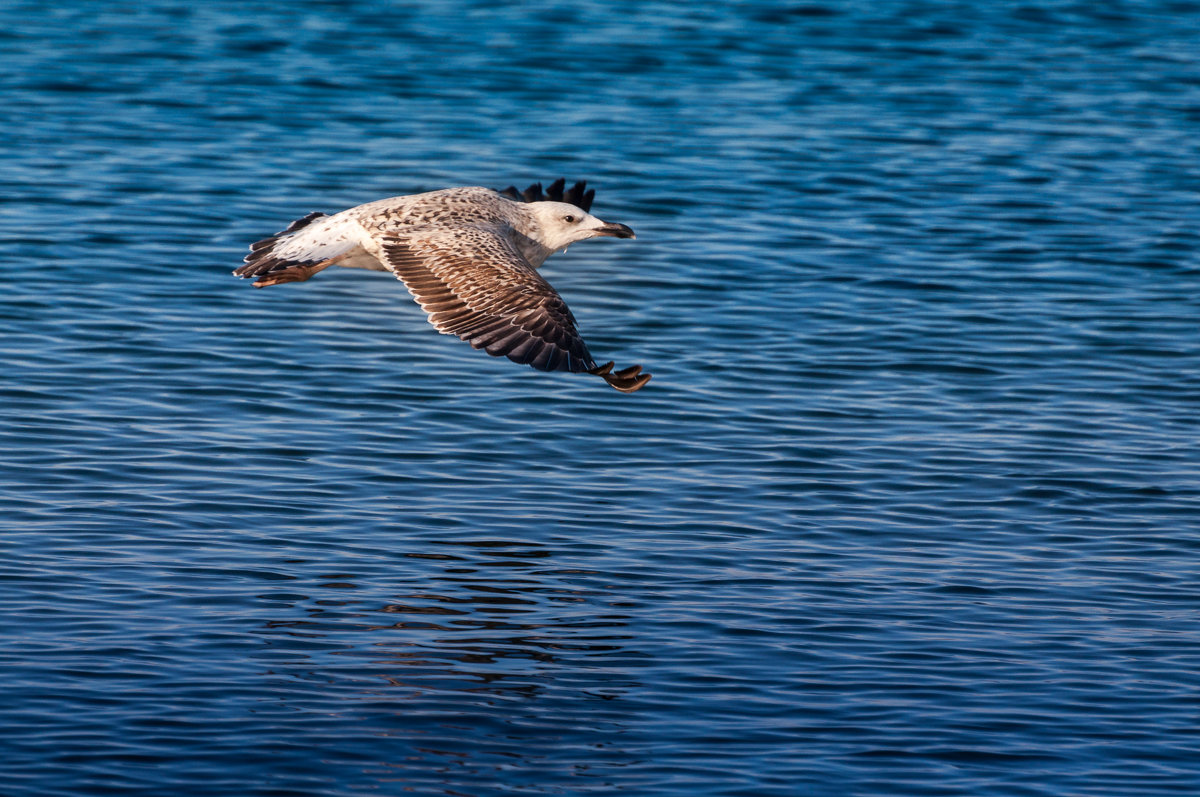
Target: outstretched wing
(474, 284)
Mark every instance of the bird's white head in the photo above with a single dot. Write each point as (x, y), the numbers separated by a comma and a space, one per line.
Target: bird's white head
(560, 224)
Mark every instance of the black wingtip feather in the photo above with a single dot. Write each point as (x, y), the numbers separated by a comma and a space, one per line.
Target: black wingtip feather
(580, 197)
(627, 380)
(534, 193)
(579, 194)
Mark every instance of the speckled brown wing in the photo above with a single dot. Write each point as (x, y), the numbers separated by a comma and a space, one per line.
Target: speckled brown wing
(474, 283)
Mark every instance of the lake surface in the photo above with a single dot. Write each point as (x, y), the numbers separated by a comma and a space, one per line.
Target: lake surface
(911, 507)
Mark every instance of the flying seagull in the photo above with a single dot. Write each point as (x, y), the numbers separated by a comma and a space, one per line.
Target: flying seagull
(469, 256)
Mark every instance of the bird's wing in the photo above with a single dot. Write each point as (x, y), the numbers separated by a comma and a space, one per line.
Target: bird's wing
(578, 195)
(474, 283)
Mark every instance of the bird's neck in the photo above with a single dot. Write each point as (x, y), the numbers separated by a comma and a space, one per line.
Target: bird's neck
(531, 250)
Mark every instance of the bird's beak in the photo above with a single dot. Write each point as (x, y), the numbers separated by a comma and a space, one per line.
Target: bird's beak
(615, 230)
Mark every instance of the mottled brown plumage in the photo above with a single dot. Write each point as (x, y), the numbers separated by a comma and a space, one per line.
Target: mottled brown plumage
(469, 256)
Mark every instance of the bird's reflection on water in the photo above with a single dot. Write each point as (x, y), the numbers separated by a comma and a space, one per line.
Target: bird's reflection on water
(478, 653)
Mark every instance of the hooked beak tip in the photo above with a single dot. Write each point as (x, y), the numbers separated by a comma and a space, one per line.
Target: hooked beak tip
(615, 230)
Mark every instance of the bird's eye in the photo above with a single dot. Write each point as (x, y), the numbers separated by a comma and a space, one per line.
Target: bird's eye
(569, 219)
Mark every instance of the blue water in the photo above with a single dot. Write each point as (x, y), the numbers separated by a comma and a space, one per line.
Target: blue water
(911, 507)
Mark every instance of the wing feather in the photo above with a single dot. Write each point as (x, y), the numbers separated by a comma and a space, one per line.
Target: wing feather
(475, 284)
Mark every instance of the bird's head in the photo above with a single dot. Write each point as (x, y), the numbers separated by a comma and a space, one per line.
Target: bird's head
(561, 224)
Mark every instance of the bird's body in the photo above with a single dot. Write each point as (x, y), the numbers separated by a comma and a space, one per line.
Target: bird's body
(469, 256)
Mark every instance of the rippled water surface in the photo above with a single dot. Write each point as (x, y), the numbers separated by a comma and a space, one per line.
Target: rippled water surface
(910, 507)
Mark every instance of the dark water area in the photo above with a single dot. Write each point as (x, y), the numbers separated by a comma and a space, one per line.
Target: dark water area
(911, 507)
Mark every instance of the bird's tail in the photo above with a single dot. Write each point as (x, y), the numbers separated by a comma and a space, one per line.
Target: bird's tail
(292, 255)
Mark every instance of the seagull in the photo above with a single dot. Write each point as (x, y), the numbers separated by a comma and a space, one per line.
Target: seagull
(469, 256)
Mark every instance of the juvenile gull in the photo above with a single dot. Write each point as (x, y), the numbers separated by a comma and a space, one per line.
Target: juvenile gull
(469, 256)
